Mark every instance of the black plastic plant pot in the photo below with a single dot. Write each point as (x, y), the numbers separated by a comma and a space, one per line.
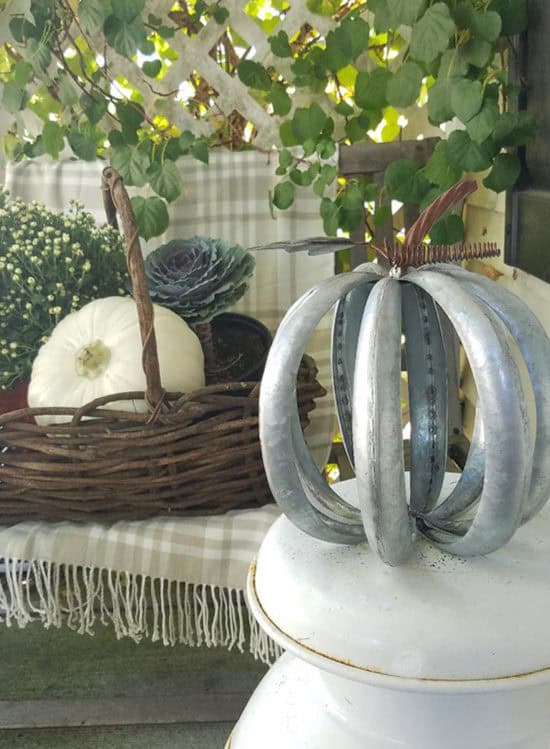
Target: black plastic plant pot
(241, 344)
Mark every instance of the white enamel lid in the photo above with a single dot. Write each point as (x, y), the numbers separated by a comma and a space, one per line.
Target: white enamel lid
(436, 618)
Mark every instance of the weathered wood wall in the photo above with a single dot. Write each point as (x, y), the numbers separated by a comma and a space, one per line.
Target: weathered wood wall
(485, 221)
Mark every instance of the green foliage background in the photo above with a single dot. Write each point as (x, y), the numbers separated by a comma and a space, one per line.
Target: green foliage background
(383, 56)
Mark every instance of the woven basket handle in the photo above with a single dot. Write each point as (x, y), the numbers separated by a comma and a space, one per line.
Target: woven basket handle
(115, 199)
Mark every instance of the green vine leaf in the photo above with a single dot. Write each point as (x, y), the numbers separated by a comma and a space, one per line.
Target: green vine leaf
(319, 187)
(94, 107)
(448, 230)
(165, 179)
(285, 158)
(431, 34)
(280, 46)
(40, 54)
(131, 164)
(220, 14)
(504, 173)
(281, 101)
(308, 123)
(128, 10)
(323, 7)
(131, 115)
(337, 52)
(405, 182)
(66, 90)
(464, 153)
(352, 207)
(405, 11)
(487, 26)
(254, 75)
(438, 169)
(20, 28)
(382, 215)
(166, 32)
(330, 213)
(371, 191)
(404, 87)
(22, 72)
(199, 150)
(371, 89)
(13, 97)
(125, 37)
(354, 130)
(382, 15)
(480, 127)
(185, 141)
(283, 195)
(53, 139)
(82, 145)
(343, 108)
(477, 52)
(345, 43)
(152, 68)
(286, 133)
(513, 14)
(439, 101)
(92, 14)
(452, 65)
(328, 173)
(515, 128)
(151, 216)
(463, 14)
(466, 98)
(304, 177)
(357, 33)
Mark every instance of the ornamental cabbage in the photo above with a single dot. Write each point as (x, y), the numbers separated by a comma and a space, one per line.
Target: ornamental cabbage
(199, 277)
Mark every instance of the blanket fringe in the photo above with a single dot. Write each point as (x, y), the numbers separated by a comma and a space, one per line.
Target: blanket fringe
(136, 606)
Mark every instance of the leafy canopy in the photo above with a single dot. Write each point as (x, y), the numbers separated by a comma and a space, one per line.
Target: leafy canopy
(380, 58)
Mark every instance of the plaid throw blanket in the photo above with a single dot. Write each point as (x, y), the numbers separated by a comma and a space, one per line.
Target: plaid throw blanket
(178, 580)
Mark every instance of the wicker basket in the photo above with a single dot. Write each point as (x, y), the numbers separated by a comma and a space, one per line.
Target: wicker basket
(196, 453)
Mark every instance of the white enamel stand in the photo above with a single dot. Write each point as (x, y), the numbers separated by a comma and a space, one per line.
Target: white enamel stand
(441, 653)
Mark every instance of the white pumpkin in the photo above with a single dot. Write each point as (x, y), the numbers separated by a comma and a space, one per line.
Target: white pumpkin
(96, 351)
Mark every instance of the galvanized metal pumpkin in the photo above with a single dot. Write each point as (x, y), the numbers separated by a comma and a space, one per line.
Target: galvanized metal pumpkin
(506, 479)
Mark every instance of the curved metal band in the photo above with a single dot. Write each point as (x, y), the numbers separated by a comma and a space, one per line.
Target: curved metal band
(534, 345)
(277, 414)
(468, 489)
(507, 462)
(377, 426)
(345, 332)
(427, 381)
(461, 524)
(317, 492)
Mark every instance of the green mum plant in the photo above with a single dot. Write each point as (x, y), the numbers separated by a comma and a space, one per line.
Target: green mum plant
(358, 79)
(51, 263)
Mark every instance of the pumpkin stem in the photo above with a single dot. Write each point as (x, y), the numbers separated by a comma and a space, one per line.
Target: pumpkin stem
(436, 210)
(413, 253)
(92, 360)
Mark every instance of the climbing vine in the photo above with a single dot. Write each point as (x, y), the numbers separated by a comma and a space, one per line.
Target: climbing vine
(101, 77)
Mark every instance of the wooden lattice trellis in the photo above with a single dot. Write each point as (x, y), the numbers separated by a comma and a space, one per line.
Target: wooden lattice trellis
(205, 58)
(229, 97)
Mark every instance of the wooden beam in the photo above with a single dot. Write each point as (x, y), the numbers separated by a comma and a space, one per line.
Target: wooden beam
(201, 707)
(370, 158)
